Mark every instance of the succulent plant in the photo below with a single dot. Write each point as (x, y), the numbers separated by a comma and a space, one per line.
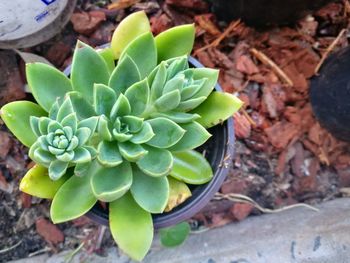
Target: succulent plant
(62, 139)
(122, 129)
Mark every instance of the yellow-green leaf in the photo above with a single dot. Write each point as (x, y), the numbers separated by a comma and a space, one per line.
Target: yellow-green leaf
(217, 108)
(179, 193)
(130, 28)
(16, 116)
(191, 167)
(131, 226)
(37, 183)
(175, 42)
(73, 199)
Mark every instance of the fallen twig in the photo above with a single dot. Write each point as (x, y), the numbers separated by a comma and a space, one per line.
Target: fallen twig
(245, 199)
(38, 252)
(251, 121)
(329, 50)
(10, 248)
(68, 258)
(218, 40)
(268, 62)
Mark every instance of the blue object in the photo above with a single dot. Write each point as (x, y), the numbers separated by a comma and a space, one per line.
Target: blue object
(48, 2)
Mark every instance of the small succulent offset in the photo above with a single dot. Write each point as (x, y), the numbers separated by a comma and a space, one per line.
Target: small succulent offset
(122, 129)
(61, 139)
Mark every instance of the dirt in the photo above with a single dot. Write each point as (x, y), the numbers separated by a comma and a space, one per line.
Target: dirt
(283, 156)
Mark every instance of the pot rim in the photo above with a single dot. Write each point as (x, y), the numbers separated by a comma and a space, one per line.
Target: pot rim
(206, 191)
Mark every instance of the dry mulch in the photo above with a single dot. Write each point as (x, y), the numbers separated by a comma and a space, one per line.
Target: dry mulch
(283, 156)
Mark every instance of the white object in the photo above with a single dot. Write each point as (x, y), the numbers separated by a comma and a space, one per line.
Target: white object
(25, 23)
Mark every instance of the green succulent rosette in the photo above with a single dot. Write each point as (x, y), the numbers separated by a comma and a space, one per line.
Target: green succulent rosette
(62, 139)
(122, 129)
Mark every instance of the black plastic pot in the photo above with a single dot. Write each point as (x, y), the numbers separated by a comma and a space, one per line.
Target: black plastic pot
(219, 152)
(265, 12)
(330, 95)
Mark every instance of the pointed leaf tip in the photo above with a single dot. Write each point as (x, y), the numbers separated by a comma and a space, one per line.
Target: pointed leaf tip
(130, 28)
(182, 35)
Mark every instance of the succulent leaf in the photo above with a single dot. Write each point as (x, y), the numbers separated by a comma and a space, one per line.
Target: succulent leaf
(16, 116)
(168, 101)
(158, 81)
(134, 123)
(104, 129)
(211, 78)
(190, 104)
(108, 55)
(131, 152)
(88, 68)
(179, 193)
(176, 65)
(167, 133)
(191, 167)
(145, 61)
(195, 136)
(57, 169)
(47, 84)
(131, 226)
(71, 121)
(120, 108)
(44, 125)
(157, 162)
(175, 83)
(144, 135)
(129, 28)
(34, 124)
(183, 36)
(150, 193)
(42, 156)
(109, 154)
(104, 99)
(54, 110)
(37, 182)
(178, 117)
(121, 137)
(73, 199)
(81, 155)
(138, 97)
(82, 168)
(124, 75)
(217, 108)
(83, 134)
(50, 126)
(65, 109)
(90, 123)
(111, 183)
(81, 106)
(189, 91)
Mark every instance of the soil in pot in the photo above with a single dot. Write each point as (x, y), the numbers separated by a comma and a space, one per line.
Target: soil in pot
(330, 95)
(261, 13)
(218, 151)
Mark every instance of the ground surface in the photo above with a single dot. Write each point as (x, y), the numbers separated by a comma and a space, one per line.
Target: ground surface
(283, 156)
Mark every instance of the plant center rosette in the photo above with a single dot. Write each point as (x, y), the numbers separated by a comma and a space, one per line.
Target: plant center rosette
(121, 129)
